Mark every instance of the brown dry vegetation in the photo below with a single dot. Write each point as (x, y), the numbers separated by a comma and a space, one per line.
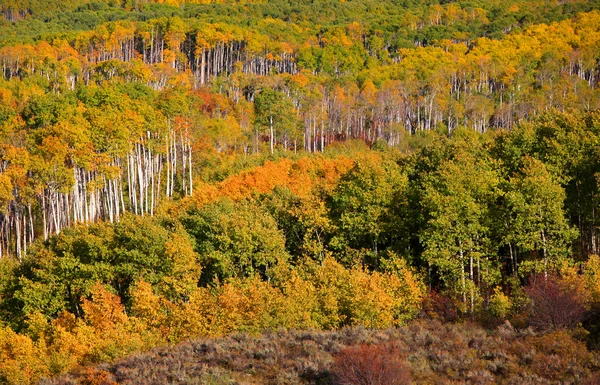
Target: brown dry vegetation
(426, 352)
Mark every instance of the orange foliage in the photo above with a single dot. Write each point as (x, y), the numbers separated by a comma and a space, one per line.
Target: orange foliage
(371, 364)
(93, 376)
(105, 310)
(301, 177)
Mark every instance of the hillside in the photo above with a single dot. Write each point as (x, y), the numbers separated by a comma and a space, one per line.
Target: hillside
(432, 354)
(337, 171)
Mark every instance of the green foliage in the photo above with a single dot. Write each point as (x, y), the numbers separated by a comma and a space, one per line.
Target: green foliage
(366, 205)
(63, 272)
(276, 114)
(538, 223)
(458, 197)
(445, 163)
(235, 239)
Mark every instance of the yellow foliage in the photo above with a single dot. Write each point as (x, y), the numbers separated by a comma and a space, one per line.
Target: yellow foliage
(67, 348)
(6, 192)
(578, 283)
(198, 317)
(146, 306)
(104, 333)
(22, 361)
(356, 296)
(314, 295)
(186, 270)
(204, 193)
(500, 303)
(591, 271)
(383, 300)
(248, 305)
(301, 306)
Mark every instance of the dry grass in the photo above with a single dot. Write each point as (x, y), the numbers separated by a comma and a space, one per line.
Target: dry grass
(432, 352)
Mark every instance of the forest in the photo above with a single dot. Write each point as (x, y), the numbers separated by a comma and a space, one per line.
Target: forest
(209, 172)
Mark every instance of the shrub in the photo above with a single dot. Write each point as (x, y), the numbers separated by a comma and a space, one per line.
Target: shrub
(439, 306)
(554, 304)
(92, 376)
(500, 303)
(370, 365)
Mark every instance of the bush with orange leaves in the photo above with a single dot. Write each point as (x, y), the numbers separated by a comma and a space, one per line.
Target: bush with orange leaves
(370, 365)
(91, 376)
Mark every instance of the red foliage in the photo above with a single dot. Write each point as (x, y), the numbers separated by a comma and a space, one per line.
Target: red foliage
(555, 304)
(370, 365)
(439, 306)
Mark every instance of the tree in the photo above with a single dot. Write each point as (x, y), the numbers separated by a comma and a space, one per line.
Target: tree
(235, 239)
(535, 204)
(60, 273)
(457, 237)
(363, 204)
(275, 112)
